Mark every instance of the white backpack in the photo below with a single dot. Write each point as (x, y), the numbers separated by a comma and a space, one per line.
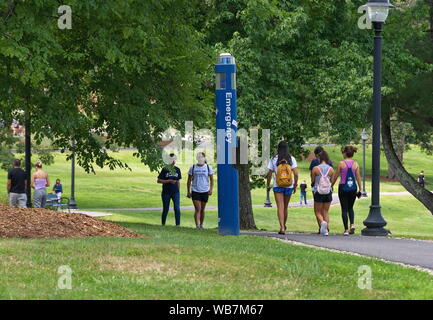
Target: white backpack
(324, 186)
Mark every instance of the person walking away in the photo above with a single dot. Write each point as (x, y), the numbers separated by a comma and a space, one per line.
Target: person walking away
(58, 189)
(170, 177)
(283, 169)
(40, 181)
(200, 181)
(322, 177)
(16, 186)
(350, 181)
(303, 187)
(421, 179)
(315, 162)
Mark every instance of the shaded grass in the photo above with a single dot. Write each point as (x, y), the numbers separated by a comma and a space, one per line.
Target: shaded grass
(182, 263)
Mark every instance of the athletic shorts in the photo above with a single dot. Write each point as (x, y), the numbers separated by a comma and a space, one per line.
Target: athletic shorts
(322, 198)
(285, 191)
(200, 196)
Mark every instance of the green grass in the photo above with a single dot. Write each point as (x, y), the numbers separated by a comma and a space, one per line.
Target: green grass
(406, 217)
(138, 188)
(182, 263)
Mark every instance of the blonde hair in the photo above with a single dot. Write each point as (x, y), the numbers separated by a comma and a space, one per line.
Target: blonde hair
(38, 164)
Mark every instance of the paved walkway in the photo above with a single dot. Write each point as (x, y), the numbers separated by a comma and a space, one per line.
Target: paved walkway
(411, 252)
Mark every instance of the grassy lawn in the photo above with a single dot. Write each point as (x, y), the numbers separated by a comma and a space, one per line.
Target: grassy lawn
(138, 188)
(406, 217)
(183, 263)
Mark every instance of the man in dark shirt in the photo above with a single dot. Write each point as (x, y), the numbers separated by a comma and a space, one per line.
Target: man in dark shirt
(315, 162)
(16, 186)
(303, 187)
(169, 178)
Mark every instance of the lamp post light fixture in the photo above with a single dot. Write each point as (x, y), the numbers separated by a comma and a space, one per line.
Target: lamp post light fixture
(374, 224)
(364, 137)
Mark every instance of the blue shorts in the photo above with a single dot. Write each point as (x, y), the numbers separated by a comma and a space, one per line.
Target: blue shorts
(285, 191)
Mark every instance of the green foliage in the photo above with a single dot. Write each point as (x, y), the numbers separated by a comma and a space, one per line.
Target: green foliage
(127, 69)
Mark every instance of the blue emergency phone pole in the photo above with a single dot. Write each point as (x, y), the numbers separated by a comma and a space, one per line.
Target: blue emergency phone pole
(226, 121)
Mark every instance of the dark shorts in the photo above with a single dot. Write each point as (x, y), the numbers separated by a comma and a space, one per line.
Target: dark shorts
(322, 198)
(200, 196)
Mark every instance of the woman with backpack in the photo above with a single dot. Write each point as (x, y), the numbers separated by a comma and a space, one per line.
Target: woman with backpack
(283, 169)
(321, 177)
(315, 162)
(350, 180)
(200, 176)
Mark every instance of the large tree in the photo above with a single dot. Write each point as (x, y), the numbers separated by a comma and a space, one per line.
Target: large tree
(300, 64)
(127, 69)
(410, 102)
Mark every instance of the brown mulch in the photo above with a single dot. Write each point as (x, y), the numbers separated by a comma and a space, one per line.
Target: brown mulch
(43, 223)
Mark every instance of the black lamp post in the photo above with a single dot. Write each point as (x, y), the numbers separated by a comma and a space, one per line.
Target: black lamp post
(268, 202)
(364, 137)
(378, 12)
(28, 156)
(72, 202)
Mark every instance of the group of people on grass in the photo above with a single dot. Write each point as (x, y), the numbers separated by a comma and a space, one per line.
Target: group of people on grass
(283, 169)
(199, 187)
(17, 184)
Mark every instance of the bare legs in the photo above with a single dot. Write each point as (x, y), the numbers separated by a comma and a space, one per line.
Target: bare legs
(199, 214)
(282, 201)
(321, 210)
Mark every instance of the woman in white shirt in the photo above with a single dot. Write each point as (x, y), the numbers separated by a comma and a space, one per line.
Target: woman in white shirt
(200, 178)
(282, 194)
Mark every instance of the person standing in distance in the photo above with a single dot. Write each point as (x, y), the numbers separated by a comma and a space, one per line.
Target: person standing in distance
(169, 178)
(16, 186)
(40, 181)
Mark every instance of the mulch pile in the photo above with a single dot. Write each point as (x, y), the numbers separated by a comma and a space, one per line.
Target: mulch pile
(42, 223)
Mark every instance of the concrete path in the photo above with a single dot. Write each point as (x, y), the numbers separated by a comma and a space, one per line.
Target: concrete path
(411, 252)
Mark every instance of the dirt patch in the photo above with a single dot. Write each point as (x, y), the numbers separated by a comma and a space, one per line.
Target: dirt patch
(42, 223)
(137, 265)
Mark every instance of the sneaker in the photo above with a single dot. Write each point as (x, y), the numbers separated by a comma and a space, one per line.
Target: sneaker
(346, 233)
(352, 230)
(201, 227)
(324, 227)
(326, 234)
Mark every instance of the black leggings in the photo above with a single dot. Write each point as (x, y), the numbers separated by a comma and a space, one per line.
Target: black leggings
(347, 200)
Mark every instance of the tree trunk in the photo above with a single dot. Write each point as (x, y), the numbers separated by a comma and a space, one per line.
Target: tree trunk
(399, 144)
(245, 206)
(411, 185)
